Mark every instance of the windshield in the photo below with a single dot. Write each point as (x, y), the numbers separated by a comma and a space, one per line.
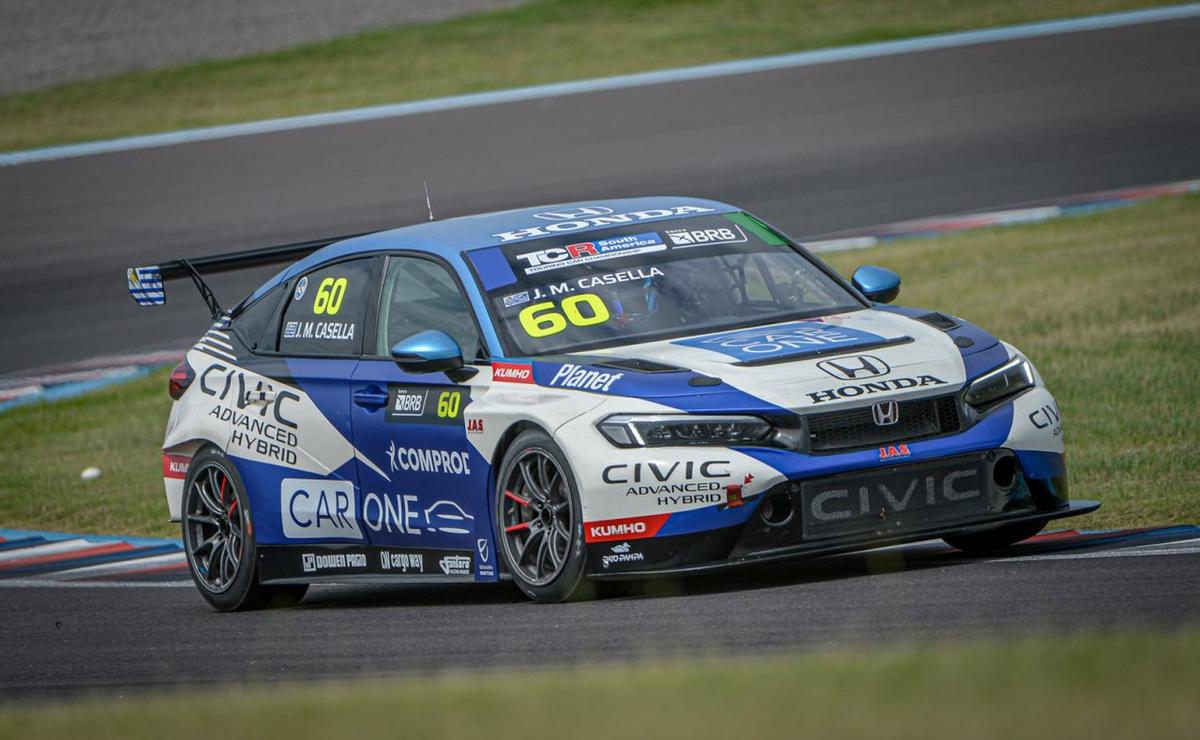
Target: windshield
(649, 282)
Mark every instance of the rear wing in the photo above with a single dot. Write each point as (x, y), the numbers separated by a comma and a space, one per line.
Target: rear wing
(146, 283)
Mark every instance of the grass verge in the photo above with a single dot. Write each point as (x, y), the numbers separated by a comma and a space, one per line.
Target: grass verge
(1086, 686)
(1107, 306)
(543, 41)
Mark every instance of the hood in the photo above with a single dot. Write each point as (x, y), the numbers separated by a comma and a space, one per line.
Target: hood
(850, 359)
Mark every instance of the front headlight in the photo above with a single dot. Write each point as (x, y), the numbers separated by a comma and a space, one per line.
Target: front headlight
(661, 430)
(1007, 380)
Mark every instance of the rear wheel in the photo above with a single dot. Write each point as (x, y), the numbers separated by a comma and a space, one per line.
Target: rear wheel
(540, 519)
(218, 538)
(993, 539)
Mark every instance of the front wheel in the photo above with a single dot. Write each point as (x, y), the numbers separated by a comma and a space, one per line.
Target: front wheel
(539, 519)
(994, 539)
(218, 538)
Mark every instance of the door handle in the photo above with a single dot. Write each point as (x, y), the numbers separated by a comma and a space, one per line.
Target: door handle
(371, 397)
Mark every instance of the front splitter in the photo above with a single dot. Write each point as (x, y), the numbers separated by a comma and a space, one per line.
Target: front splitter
(851, 544)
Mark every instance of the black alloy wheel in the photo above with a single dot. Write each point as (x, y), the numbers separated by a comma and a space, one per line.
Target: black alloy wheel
(218, 538)
(540, 520)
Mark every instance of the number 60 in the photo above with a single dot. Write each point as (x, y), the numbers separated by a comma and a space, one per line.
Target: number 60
(541, 320)
(329, 296)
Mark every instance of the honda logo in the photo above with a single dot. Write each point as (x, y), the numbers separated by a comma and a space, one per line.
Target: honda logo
(574, 214)
(853, 368)
(886, 413)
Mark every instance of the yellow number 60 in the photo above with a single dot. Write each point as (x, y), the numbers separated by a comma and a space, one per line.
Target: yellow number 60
(541, 320)
(329, 296)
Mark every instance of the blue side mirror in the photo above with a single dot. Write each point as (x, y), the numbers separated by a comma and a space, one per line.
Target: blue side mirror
(877, 283)
(428, 352)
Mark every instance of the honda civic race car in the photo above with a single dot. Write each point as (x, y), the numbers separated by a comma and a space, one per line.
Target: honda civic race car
(619, 389)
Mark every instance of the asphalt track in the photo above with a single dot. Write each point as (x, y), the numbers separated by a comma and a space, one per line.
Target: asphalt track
(814, 150)
(64, 640)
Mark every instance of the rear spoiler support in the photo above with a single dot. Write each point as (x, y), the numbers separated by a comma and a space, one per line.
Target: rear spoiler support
(206, 293)
(146, 283)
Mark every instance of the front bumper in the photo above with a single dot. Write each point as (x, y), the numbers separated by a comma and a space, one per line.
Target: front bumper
(857, 510)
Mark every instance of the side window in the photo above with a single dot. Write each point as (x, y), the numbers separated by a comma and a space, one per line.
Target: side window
(418, 295)
(251, 324)
(324, 314)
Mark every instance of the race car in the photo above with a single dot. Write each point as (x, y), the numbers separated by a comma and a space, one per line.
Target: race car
(602, 390)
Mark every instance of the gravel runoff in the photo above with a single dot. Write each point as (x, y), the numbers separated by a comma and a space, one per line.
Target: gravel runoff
(47, 42)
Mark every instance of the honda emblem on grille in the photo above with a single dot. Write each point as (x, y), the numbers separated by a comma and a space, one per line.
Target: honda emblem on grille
(855, 367)
(886, 413)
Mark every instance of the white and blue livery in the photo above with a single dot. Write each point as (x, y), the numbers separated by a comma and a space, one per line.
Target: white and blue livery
(614, 389)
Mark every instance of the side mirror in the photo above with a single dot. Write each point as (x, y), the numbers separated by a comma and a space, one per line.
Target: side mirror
(428, 352)
(877, 283)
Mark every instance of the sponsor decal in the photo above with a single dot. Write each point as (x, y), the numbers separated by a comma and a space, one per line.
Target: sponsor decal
(1047, 417)
(675, 484)
(855, 367)
(891, 451)
(574, 376)
(301, 286)
(336, 330)
(314, 508)
(403, 562)
(407, 402)
(662, 472)
(259, 414)
(485, 566)
(881, 386)
(426, 405)
(317, 562)
(516, 299)
(885, 413)
(878, 499)
(402, 513)
(732, 234)
(786, 340)
(455, 565)
(630, 528)
(175, 466)
(258, 436)
(621, 553)
(554, 258)
(225, 383)
(415, 460)
(512, 372)
(577, 219)
(474, 426)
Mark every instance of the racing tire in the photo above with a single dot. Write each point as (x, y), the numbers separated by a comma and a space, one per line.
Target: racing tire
(218, 539)
(540, 521)
(994, 539)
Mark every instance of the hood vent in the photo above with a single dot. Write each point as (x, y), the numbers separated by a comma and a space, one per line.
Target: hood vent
(641, 366)
(938, 321)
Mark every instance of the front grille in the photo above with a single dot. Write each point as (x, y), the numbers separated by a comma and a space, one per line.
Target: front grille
(838, 431)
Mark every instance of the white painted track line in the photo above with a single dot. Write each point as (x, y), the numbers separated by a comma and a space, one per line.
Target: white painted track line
(104, 569)
(667, 76)
(50, 548)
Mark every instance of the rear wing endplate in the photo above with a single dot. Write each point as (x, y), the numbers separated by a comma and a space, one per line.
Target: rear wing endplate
(146, 283)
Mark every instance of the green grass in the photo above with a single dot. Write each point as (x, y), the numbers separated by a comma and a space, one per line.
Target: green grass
(543, 41)
(1089, 686)
(1107, 307)
(44, 447)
